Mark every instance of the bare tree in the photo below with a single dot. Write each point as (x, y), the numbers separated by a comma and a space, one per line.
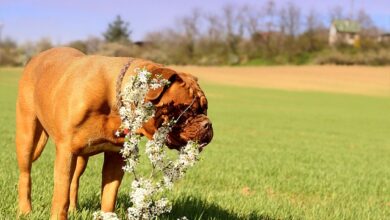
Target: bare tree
(314, 30)
(211, 44)
(191, 29)
(270, 11)
(167, 47)
(43, 44)
(336, 13)
(252, 19)
(1, 29)
(290, 19)
(234, 26)
(364, 20)
(215, 27)
(270, 26)
(93, 44)
(367, 25)
(312, 21)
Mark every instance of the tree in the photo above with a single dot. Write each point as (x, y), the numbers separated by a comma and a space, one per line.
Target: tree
(43, 44)
(9, 53)
(269, 10)
(364, 20)
(252, 19)
(290, 19)
(313, 36)
(215, 28)
(93, 44)
(190, 26)
(234, 27)
(118, 31)
(336, 13)
(79, 45)
(368, 30)
(270, 38)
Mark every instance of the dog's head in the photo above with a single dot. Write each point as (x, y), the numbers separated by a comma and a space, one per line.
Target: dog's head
(182, 97)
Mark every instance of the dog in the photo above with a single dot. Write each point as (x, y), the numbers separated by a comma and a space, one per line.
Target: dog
(72, 98)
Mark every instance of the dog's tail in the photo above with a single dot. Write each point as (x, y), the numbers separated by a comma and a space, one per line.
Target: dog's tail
(42, 140)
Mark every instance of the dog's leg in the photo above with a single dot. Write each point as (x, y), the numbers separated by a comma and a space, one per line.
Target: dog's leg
(112, 175)
(64, 167)
(30, 141)
(74, 186)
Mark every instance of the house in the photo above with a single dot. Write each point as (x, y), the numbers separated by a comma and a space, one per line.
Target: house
(344, 31)
(384, 38)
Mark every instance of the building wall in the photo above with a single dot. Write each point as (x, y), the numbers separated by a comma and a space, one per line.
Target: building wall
(332, 35)
(339, 37)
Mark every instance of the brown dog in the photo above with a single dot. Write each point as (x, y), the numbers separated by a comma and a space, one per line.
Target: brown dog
(72, 98)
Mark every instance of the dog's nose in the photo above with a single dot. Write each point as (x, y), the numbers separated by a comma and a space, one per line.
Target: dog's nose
(207, 129)
(206, 125)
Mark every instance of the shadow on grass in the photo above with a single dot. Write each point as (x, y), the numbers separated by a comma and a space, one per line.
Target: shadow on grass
(196, 208)
(90, 203)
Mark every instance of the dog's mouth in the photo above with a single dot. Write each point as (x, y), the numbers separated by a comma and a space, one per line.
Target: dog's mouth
(174, 142)
(198, 129)
(177, 143)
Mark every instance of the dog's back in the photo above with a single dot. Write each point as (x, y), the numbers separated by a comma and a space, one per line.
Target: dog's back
(52, 59)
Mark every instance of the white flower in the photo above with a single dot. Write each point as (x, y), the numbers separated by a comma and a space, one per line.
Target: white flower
(146, 194)
(100, 215)
(162, 206)
(144, 75)
(155, 86)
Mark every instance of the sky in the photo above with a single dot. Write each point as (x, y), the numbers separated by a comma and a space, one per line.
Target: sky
(67, 20)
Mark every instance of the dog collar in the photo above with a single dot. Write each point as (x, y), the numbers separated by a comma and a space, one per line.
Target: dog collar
(119, 80)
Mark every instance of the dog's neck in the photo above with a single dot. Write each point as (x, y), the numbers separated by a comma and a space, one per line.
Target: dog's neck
(119, 81)
(113, 72)
(118, 74)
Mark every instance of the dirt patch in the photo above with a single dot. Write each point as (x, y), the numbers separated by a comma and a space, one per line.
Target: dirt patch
(345, 79)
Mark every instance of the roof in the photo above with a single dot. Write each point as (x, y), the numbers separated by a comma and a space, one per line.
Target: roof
(346, 26)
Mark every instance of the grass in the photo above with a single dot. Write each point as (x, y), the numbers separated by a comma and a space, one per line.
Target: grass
(275, 155)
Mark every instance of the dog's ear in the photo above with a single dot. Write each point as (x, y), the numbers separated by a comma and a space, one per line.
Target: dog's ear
(165, 73)
(191, 76)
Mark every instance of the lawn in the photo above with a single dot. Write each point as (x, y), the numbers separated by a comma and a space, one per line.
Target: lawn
(275, 155)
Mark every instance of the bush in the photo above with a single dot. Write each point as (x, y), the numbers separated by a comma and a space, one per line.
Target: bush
(116, 49)
(377, 58)
(9, 53)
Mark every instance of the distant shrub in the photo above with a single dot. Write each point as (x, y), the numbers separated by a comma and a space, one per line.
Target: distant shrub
(9, 53)
(116, 49)
(377, 58)
(79, 45)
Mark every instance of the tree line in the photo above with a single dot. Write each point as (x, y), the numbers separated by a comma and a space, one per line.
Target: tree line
(266, 35)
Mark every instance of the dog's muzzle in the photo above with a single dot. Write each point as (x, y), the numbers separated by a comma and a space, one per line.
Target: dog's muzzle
(198, 128)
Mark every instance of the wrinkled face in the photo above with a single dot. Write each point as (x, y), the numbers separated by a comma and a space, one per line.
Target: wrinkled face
(185, 102)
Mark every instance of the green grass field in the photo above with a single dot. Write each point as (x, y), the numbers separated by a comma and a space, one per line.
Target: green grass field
(275, 155)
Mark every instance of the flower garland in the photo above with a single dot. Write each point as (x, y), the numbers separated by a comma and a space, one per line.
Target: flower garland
(146, 192)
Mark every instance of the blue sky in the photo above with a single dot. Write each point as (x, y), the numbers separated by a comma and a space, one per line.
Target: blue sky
(63, 21)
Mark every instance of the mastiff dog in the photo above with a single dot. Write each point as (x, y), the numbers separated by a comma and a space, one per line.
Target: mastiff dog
(72, 98)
